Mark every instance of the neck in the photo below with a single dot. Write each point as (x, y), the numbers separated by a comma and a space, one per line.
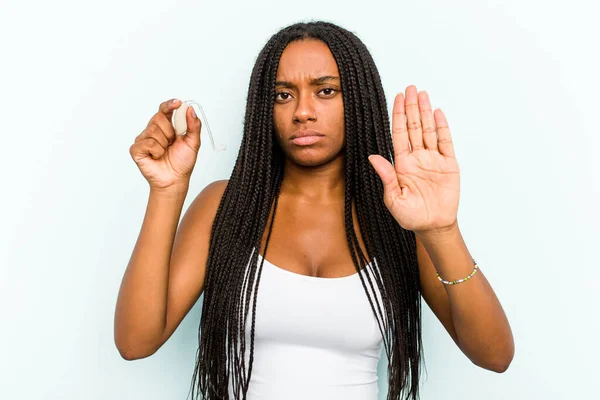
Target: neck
(322, 184)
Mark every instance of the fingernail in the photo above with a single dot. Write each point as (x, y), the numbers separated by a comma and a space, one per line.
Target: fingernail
(193, 113)
(173, 101)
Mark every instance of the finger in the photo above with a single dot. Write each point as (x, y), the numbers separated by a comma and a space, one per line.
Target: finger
(194, 125)
(387, 173)
(445, 145)
(429, 133)
(146, 147)
(399, 131)
(154, 131)
(166, 108)
(165, 125)
(413, 117)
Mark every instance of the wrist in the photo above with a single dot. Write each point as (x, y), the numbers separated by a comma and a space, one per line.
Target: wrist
(172, 191)
(439, 233)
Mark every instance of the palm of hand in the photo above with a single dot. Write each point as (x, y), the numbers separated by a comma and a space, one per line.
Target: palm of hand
(421, 189)
(176, 164)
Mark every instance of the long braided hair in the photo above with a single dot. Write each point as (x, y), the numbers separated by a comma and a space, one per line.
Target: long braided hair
(253, 190)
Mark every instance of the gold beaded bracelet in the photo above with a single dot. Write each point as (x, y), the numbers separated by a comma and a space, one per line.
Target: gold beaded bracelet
(460, 280)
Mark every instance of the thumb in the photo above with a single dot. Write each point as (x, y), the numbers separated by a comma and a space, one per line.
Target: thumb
(192, 136)
(387, 173)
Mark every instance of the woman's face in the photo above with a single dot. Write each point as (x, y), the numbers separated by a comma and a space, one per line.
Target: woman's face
(309, 109)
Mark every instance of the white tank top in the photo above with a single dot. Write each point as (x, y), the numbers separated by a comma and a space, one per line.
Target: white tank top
(315, 338)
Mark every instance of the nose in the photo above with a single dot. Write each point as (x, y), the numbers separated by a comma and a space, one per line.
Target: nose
(305, 110)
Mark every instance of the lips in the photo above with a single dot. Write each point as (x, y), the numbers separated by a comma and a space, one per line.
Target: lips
(305, 133)
(306, 137)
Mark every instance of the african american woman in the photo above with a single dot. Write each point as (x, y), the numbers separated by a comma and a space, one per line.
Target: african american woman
(314, 255)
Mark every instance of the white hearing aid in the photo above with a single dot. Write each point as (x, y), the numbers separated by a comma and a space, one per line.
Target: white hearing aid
(180, 124)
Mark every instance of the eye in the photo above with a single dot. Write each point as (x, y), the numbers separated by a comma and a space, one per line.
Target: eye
(282, 96)
(328, 91)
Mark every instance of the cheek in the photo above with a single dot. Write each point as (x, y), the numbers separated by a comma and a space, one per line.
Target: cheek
(278, 123)
(339, 121)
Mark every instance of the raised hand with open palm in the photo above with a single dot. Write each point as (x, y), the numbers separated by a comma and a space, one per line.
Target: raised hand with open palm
(421, 189)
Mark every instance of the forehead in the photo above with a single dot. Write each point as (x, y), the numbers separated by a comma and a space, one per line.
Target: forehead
(306, 59)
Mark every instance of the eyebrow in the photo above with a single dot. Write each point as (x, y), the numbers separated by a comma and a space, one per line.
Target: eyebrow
(316, 81)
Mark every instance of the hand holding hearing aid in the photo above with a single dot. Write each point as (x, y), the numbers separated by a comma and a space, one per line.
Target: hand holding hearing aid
(166, 159)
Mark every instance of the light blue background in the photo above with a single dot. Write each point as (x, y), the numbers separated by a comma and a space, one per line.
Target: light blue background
(79, 80)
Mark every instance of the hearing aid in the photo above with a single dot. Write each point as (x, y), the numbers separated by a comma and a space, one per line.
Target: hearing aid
(180, 124)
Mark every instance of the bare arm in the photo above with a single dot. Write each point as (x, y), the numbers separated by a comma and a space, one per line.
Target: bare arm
(165, 275)
(470, 311)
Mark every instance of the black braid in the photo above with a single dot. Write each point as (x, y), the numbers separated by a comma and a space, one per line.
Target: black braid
(251, 197)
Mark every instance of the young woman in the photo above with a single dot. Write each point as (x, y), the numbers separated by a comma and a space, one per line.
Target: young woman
(317, 251)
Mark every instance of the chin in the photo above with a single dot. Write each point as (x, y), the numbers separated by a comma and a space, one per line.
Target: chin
(307, 157)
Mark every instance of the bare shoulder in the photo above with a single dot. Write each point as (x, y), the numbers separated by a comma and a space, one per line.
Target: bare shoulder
(211, 193)
(200, 214)
(193, 233)
(187, 268)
